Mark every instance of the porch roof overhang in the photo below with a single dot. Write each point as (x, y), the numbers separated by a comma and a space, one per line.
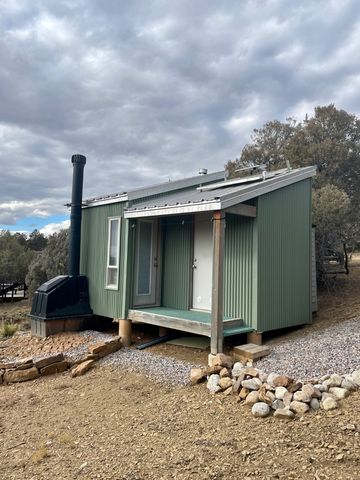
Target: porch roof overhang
(221, 197)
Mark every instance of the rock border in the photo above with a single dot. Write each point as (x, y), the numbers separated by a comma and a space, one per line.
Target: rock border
(267, 393)
(30, 368)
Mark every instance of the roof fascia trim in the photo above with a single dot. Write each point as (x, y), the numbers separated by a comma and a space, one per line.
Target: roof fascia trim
(174, 210)
(261, 189)
(97, 203)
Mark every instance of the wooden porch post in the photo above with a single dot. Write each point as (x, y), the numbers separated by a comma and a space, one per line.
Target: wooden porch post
(217, 312)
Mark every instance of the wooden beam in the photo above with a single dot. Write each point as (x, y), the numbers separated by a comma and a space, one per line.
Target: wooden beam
(125, 331)
(217, 314)
(243, 210)
(166, 321)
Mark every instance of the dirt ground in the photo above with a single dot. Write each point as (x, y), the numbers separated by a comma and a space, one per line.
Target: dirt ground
(110, 424)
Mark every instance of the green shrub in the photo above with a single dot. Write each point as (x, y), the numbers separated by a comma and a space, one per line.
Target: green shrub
(8, 329)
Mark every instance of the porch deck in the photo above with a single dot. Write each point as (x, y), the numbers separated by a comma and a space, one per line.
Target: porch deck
(191, 321)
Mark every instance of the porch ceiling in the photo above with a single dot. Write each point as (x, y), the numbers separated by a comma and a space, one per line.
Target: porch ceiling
(185, 320)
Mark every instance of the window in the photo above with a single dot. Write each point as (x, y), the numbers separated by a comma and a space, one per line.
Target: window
(112, 267)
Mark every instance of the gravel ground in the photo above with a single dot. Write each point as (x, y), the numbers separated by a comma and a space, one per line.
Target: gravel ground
(165, 370)
(335, 349)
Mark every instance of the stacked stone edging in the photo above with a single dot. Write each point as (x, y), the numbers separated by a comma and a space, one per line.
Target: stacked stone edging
(33, 367)
(267, 393)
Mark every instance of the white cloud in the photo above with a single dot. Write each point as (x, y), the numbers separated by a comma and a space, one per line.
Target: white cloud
(51, 228)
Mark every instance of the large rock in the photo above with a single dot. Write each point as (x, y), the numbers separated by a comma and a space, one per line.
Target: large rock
(338, 392)
(294, 387)
(244, 392)
(301, 396)
(329, 403)
(335, 380)
(280, 392)
(287, 399)
(224, 372)
(251, 371)
(271, 379)
(237, 384)
(214, 369)
(349, 383)
(284, 413)
(197, 375)
(299, 407)
(82, 368)
(253, 397)
(105, 348)
(278, 404)
(220, 359)
(57, 367)
(225, 382)
(7, 365)
(309, 390)
(260, 409)
(282, 381)
(355, 376)
(252, 384)
(237, 369)
(213, 383)
(263, 395)
(14, 376)
(315, 404)
(45, 361)
(24, 363)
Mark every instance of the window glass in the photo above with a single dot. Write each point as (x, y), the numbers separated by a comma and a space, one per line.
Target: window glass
(112, 268)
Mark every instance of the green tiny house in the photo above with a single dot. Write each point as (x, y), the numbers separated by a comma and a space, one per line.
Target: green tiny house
(204, 255)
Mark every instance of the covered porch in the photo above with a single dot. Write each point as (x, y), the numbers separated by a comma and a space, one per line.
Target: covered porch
(190, 321)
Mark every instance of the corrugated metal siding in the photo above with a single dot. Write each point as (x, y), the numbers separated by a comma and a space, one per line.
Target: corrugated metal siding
(238, 269)
(94, 239)
(313, 273)
(284, 257)
(176, 266)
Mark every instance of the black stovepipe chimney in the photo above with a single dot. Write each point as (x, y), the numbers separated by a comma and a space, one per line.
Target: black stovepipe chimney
(78, 162)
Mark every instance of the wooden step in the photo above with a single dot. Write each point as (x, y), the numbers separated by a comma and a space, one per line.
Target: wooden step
(250, 351)
(233, 322)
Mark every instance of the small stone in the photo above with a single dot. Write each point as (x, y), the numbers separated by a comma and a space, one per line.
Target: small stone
(251, 371)
(325, 395)
(82, 368)
(287, 399)
(271, 396)
(263, 396)
(308, 389)
(301, 396)
(244, 392)
(271, 378)
(329, 404)
(335, 380)
(280, 392)
(252, 384)
(225, 383)
(44, 362)
(315, 404)
(260, 409)
(7, 365)
(213, 383)
(282, 381)
(262, 376)
(228, 392)
(284, 413)
(1, 376)
(237, 369)
(278, 404)
(253, 397)
(355, 376)
(197, 375)
(294, 387)
(213, 370)
(224, 372)
(220, 359)
(320, 387)
(349, 383)
(338, 392)
(299, 407)
(339, 457)
(14, 376)
(237, 385)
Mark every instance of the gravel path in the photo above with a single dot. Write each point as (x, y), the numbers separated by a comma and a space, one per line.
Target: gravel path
(166, 370)
(332, 350)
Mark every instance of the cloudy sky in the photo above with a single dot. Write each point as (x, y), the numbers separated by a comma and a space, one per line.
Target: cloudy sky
(152, 90)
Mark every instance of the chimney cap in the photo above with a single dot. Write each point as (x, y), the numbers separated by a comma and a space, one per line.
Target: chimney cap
(77, 158)
(203, 171)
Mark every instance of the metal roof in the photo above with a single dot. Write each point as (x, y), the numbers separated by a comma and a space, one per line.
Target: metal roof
(157, 189)
(192, 201)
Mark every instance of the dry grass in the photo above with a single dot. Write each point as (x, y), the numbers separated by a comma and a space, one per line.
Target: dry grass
(8, 329)
(65, 438)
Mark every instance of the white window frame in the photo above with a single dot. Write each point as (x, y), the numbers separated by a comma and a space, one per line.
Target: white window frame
(114, 267)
